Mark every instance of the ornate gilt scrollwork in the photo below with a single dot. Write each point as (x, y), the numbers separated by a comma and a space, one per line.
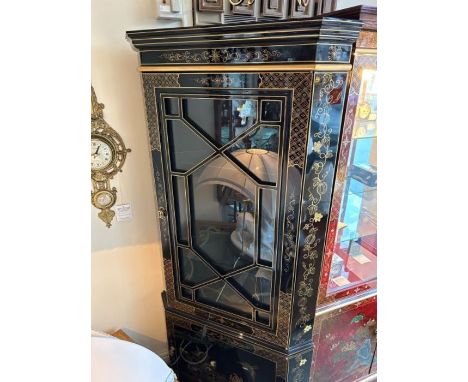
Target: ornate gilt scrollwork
(329, 87)
(103, 196)
(225, 55)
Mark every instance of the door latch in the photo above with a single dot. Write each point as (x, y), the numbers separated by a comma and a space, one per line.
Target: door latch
(162, 213)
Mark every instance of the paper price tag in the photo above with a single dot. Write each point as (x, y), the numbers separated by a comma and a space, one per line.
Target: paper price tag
(124, 212)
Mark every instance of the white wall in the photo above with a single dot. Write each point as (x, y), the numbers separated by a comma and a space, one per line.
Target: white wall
(341, 4)
(127, 274)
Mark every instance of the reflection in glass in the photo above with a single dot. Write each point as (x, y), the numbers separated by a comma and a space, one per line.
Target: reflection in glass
(262, 317)
(220, 119)
(354, 261)
(267, 226)
(187, 149)
(359, 215)
(171, 106)
(257, 153)
(271, 110)
(187, 293)
(222, 296)
(180, 204)
(193, 271)
(225, 204)
(254, 284)
(223, 208)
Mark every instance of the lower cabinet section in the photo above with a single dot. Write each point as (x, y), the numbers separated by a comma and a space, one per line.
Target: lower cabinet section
(344, 350)
(345, 343)
(200, 353)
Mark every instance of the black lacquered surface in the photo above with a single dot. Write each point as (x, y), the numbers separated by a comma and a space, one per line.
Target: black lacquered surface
(200, 359)
(309, 40)
(242, 221)
(199, 353)
(327, 108)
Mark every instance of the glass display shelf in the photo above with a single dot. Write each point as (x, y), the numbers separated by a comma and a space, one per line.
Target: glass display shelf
(354, 262)
(360, 217)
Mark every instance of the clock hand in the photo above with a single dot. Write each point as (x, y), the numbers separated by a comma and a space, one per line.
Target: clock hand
(96, 153)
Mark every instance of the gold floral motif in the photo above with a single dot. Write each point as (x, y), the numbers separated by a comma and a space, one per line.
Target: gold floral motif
(315, 195)
(334, 52)
(289, 240)
(300, 373)
(317, 146)
(349, 346)
(222, 55)
(223, 80)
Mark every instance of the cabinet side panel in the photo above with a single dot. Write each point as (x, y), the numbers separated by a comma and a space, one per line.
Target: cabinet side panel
(322, 143)
(361, 63)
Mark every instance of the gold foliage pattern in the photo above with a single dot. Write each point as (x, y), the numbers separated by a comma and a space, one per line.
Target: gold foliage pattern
(314, 194)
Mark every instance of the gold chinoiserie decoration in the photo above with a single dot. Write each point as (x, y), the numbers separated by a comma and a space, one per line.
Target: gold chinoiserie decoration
(108, 155)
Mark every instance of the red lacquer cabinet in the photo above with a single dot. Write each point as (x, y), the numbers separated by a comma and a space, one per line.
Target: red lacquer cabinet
(345, 327)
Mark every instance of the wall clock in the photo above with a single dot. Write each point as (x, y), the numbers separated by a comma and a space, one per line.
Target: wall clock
(108, 153)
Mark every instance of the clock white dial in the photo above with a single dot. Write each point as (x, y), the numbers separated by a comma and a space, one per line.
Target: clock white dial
(101, 154)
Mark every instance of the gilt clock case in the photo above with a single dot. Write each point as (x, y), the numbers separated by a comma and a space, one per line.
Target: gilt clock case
(244, 125)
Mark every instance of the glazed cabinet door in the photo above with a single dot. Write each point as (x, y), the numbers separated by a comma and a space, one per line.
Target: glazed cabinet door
(220, 170)
(243, 166)
(223, 153)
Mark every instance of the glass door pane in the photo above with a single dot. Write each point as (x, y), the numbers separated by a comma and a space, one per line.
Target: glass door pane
(224, 161)
(354, 259)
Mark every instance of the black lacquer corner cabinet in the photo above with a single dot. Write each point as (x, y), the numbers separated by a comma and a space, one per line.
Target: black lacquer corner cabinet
(244, 124)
